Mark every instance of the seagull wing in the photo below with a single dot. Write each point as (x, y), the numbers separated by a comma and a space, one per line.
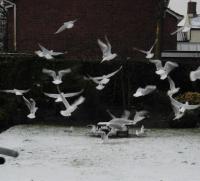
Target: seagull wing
(8, 91)
(33, 105)
(157, 63)
(139, 116)
(111, 115)
(148, 89)
(176, 103)
(195, 74)
(55, 96)
(126, 114)
(113, 73)
(169, 66)
(64, 100)
(142, 51)
(171, 83)
(56, 53)
(190, 107)
(73, 94)
(44, 50)
(178, 30)
(62, 28)
(108, 43)
(61, 73)
(104, 48)
(153, 45)
(49, 72)
(79, 101)
(28, 104)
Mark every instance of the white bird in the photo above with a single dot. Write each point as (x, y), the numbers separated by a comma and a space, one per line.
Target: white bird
(186, 28)
(180, 108)
(48, 54)
(101, 81)
(139, 116)
(144, 91)
(141, 132)
(31, 106)
(164, 71)
(106, 50)
(17, 92)
(57, 78)
(70, 108)
(194, 75)
(66, 25)
(148, 53)
(173, 90)
(57, 97)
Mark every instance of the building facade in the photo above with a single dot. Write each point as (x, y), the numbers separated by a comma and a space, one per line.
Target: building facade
(127, 24)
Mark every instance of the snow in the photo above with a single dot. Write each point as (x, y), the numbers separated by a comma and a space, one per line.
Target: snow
(49, 153)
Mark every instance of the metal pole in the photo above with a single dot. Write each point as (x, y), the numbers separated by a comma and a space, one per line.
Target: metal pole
(15, 30)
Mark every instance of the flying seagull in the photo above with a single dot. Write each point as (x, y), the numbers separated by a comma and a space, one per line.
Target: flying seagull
(194, 75)
(144, 91)
(57, 78)
(101, 81)
(17, 92)
(173, 90)
(48, 54)
(139, 116)
(180, 108)
(186, 28)
(31, 106)
(66, 25)
(70, 108)
(57, 97)
(106, 50)
(164, 71)
(148, 53)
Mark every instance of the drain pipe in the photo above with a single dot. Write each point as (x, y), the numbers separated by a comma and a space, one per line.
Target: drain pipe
(10, 5)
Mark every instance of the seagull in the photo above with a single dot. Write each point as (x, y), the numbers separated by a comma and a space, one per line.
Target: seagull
(148, 53)
(102, 80)
(57, 97)
(194, 75)
(139, 116)
(17, 92)
(48, 54)
(173, 90)
(164, 71)
(31, 106)
(57, 79)
(180, 108)
(186, 28)
(66, 25)
(106, 50)
(144, 91)
(70, 108)
(141, 132)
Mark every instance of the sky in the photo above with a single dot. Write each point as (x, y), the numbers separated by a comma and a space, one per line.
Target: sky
(180, 6)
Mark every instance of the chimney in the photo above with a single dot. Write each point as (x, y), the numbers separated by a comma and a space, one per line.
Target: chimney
(192, 8)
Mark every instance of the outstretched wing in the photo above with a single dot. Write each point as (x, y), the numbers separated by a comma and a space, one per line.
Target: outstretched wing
(153, 45)
(126, 114)
(28, 104)
(140, 50)
(49, 72)
(61, 73)
(148, 89)
(178, 30)
(55, 96)
(62, 28)
(111, 115)
(169, 66)
(104, 48)
(113, 73)
(73, 93)
(79, 101)
(7, 91)
(157, 63)
(139, 116)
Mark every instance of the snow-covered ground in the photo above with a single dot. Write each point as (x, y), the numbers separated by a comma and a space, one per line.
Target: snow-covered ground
(50, 153)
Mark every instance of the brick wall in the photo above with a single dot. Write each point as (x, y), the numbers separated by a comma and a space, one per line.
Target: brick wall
(127, 23)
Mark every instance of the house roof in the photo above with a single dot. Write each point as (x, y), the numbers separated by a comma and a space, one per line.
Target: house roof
(193, 21)
(179, 17)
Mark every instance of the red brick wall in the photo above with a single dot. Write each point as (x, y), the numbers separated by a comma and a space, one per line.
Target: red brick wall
(169, 26)
(127, 23)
